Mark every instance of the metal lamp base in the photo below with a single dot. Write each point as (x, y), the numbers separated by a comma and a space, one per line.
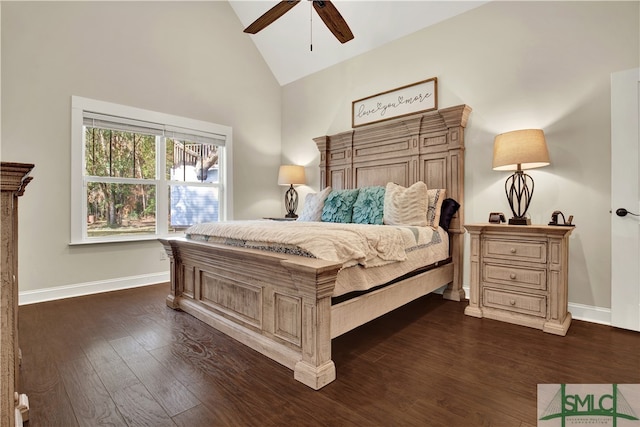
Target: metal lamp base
(519, 221)
(291, 202)
(519, 190)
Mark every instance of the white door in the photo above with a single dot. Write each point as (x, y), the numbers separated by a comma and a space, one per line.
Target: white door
(625, 193)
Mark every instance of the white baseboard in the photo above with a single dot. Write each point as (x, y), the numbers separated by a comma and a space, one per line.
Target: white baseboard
(588, 313)
(578, 311)
(70, 291)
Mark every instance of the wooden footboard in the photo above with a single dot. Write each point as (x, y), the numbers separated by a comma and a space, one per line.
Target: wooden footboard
(279, 305)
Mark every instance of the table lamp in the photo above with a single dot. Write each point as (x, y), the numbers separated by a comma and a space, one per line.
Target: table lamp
(519, 150)
(291, 175)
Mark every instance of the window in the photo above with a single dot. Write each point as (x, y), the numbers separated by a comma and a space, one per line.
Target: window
(140, 174)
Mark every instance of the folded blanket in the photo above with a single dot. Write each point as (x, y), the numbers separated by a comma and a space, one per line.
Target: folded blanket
(349, 244)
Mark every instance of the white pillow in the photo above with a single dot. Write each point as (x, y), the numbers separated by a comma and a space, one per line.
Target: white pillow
(406, 206)
(436, 197)
(313, 204)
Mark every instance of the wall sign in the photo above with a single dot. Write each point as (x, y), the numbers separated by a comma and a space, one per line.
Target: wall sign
(405, 100)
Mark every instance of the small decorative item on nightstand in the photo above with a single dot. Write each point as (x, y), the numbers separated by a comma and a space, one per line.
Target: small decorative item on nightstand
(496, 217)
(565, 222)
(519, 274)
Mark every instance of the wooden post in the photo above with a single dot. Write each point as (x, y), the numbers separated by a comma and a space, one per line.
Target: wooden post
(14, 408)
(316, 369)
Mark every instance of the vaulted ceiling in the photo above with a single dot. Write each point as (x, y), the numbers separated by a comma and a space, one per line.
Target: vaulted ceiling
(286, 43)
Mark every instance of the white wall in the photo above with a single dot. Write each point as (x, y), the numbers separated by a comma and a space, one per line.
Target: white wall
(518, 65)
(185, 58)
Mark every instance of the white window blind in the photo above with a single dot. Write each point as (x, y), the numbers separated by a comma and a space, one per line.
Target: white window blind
(104, 121)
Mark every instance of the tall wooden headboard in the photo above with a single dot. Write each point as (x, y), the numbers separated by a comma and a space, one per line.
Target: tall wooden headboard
(425, 147)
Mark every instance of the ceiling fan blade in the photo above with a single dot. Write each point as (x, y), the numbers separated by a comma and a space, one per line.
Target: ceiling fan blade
(271, 15)
(333, 20)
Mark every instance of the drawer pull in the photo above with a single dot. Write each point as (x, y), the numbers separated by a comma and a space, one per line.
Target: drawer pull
(512, 302)
(513, 250)
(513, 276)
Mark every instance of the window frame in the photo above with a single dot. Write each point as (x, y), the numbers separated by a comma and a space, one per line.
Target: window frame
(79, 209)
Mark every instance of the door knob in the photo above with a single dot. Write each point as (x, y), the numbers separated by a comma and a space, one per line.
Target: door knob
(624, 212)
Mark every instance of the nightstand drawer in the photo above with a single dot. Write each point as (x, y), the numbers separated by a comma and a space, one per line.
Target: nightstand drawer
(530, 278)
(515, 250)
(533, 305)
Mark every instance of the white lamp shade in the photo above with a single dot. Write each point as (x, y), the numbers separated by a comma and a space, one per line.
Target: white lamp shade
(524, 148)
(291, 175)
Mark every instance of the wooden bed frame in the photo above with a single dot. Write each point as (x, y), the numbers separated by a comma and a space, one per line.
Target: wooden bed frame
(280, 305)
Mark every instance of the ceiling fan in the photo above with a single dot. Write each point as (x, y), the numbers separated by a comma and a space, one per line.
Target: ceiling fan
(325, 9)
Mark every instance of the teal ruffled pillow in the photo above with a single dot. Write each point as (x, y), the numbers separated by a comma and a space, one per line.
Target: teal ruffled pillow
(339, 206)
(369, 206)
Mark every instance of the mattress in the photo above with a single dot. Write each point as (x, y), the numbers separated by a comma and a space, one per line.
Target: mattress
(371, 255)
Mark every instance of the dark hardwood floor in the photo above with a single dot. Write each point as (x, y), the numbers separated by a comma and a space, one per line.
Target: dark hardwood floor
(125, 359)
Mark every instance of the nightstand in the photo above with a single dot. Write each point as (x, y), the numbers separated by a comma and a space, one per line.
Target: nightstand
(519, 275)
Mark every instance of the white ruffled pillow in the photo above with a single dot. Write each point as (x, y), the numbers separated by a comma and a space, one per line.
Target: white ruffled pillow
(406, 206)
(313, 204)
(436, 197)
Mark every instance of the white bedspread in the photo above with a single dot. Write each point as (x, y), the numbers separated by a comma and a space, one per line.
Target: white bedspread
(349, 244)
